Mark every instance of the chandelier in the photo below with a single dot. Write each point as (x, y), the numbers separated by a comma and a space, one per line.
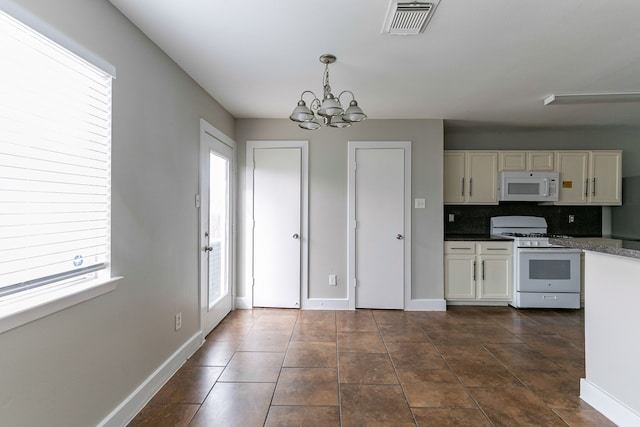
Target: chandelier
(330, 109)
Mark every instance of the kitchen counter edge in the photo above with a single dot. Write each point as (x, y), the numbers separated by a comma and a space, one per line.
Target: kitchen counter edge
(474, 238)
(624, 248)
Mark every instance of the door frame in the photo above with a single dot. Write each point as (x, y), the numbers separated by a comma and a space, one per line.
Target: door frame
(206, 128)
(304, 213)
(351, 219)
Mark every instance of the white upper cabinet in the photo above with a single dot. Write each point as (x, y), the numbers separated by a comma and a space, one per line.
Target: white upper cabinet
(471, 177)
(454, 177)
(541, 161)
(533, 161)
(590, 177)
(606, 178)
(587, 177)
(512, 161)
(574, 177)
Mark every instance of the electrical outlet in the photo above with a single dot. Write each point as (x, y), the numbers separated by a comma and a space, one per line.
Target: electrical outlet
(333, 280)
(178, 321)
(452, 217)
(572, 219)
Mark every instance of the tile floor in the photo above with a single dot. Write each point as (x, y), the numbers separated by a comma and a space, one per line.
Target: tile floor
(469, 366)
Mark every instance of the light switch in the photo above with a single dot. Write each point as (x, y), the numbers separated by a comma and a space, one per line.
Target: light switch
(333, 280)
(420, 203)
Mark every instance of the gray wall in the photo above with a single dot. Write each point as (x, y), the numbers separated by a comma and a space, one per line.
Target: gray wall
(74, 367)
(328, 179)
(627, 140)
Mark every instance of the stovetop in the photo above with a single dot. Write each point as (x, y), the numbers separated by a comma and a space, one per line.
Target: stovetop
(533, 235)
(525, 231)
(524, 234)
(528, 239)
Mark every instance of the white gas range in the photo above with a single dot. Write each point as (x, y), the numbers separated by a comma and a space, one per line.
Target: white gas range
(545, 275)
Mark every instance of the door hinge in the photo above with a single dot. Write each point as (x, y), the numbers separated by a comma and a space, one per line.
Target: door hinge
(197, 200)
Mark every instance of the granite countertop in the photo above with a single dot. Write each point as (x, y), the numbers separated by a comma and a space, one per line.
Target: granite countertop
(620, 247)
(473, 238)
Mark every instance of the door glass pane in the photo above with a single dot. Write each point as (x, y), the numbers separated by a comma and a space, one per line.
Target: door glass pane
(218, 227)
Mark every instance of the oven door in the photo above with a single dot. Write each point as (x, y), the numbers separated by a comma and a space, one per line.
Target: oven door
(548, 270)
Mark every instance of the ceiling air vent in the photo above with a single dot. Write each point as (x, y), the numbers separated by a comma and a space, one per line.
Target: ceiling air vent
(408, 18)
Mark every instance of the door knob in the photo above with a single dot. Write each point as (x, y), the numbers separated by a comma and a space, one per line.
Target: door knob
(208, 248)
(296, 236)
(399, 236)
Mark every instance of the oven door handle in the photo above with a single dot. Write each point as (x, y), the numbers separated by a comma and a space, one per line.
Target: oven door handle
(549, 251)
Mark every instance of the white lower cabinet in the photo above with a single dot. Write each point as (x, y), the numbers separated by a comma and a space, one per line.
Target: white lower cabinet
(478, 272)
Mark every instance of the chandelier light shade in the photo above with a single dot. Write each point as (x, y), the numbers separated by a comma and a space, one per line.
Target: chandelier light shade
(330, 109)
(302, 113)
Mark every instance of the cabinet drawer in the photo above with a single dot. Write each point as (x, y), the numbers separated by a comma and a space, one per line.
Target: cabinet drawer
(496, 248)
(548, 300)
(460, 247)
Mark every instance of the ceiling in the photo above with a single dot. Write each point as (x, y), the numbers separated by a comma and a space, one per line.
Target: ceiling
(478, 62)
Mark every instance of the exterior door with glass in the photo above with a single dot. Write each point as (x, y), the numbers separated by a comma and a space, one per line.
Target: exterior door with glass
(216, 231)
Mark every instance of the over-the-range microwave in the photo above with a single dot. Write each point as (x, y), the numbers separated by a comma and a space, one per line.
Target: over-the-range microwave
(529, 186)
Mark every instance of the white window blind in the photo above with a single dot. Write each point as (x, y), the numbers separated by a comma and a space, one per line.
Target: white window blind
(55, 161)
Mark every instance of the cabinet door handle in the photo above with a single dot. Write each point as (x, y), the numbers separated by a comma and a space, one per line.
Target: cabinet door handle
(474, 271)
(482, 270)
(470, 187)
(586, 188)
(462, 193)
(593, 187)
(496, 249)
(468, 249)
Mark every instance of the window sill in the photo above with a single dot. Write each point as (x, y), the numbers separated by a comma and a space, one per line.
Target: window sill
(20, 310)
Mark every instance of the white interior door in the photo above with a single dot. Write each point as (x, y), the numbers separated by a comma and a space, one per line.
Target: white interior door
(277, 230)
(216, 228)
(381, 250)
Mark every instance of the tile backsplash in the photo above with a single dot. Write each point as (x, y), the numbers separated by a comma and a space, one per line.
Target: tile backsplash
(470, 219)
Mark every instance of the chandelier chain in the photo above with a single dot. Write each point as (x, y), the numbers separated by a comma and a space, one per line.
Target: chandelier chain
(325, 82)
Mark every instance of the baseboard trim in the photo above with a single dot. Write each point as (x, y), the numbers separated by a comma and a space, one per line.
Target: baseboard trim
(325, 304)
(343, 304)
(481, 303)
(243, 303)
(426, 305)
(129, 407)
(608, 405)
